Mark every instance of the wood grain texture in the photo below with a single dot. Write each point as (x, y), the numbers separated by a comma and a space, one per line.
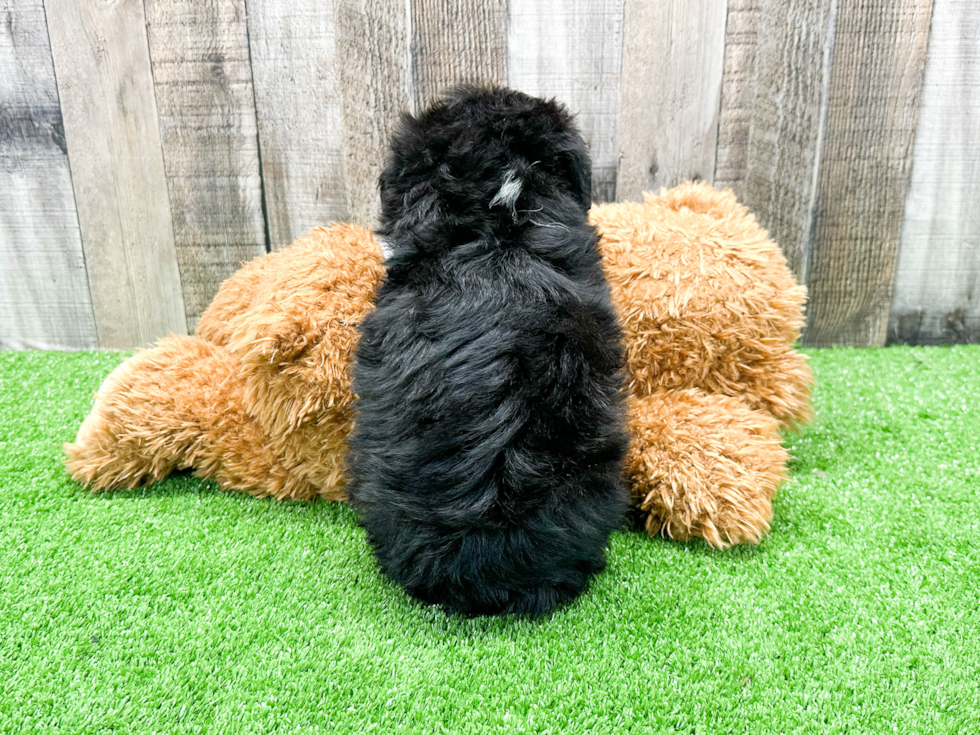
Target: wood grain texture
(572, 50)
(143, 157)
(872, 106)
(203, 84)
(375, 82)
(786, 120)
(937, 287)
(454, 42)
(737, 95)
(44, 293)
(673, 57)
(294, 68)
(102, 65)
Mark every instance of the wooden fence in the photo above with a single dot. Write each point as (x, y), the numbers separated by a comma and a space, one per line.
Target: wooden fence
(149, 147)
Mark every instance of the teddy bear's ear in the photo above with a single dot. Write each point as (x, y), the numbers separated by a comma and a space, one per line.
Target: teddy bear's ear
(233, 300)
(699, 197)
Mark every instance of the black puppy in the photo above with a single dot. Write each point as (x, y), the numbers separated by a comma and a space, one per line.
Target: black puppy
(485, 462)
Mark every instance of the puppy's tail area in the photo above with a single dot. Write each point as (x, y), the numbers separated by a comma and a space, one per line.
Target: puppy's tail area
(179, 405)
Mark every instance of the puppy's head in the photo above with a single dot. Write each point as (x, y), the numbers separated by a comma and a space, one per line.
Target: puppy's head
(477, 164)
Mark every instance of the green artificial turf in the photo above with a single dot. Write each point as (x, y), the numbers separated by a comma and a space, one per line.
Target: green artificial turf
(182, 609)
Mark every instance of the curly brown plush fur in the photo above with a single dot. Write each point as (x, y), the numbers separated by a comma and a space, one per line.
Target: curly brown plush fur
(710, 313)
(270, 366)
(703, 465)
(706, 300)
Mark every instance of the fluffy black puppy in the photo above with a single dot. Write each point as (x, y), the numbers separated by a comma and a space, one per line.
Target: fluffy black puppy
(485, 462)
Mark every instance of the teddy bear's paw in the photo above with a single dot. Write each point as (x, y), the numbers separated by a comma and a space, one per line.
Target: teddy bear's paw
(723, 516)
(112, 449)
(782, 386)
(163, 409)
(181, 405)
(703, 466)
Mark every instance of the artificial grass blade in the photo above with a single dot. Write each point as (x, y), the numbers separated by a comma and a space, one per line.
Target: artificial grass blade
(181, 609)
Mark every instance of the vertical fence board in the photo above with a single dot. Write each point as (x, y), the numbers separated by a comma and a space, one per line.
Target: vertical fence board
(571, 50)
(44, 293)
(879, 56)
(792, 68)
(937, 288)
(203, 84)
(294, 68)
(200, 135)
(102, 64)
(456, 41)
(673, 56)
(375, 81)
(737, 95)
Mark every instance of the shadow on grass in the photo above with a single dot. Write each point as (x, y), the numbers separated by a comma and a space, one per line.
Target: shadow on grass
(183, 484)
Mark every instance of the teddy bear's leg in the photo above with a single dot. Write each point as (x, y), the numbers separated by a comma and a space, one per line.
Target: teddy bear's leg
(703, 465)
(178, 406)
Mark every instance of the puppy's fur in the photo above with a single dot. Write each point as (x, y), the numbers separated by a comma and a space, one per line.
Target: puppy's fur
(486, 458)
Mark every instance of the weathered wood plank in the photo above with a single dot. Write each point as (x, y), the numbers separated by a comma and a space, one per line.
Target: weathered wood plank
(872, 105)
(203, 84)
(375, 79)
(788, 110)
(457, 41)
(572, 50)
(673, 57)
(737, 95)
(294, 67)
(44, 294)
(102, 65)
(937, 287)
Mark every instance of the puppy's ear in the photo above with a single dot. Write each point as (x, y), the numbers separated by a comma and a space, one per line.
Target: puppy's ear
(414, 216)
(578, 170)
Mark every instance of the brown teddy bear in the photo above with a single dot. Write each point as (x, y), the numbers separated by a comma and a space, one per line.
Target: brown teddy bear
(260, 398)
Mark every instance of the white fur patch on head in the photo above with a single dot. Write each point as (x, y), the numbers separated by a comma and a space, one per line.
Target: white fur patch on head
(386, 250)
(509, 191)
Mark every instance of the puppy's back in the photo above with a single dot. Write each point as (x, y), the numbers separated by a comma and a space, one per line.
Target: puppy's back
(486, 458)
